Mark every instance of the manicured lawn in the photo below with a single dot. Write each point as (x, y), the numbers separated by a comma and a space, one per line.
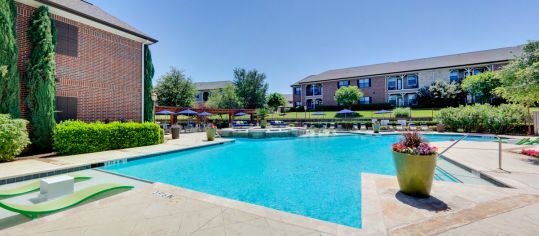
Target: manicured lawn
(416, 113)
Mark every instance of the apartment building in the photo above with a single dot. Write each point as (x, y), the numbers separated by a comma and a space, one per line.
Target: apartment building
(397, 83)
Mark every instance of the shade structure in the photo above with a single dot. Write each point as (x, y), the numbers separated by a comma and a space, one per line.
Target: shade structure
(204, 114)
(382, 112)
(240, 114)
(345, 111)
(165, 112)
(187, 112)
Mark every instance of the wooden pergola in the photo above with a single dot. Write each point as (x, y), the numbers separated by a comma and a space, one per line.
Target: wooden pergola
(229, 112)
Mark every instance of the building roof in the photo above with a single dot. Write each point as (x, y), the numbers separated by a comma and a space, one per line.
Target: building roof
(288, 97)
(88, 10)
(211, 85)
(461, 59)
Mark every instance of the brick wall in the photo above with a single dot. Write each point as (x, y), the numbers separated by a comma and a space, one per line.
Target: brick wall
(105, 76)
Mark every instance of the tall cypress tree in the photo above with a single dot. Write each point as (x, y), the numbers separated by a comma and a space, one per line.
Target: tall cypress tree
(9, 53)
(40, 78)
(148, 87)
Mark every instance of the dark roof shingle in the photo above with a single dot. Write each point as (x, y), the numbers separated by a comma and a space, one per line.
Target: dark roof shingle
(211, 85)
(470, 58)
(92, 12)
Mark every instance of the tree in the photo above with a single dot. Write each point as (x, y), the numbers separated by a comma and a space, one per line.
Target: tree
(175, 89)
(148, 86)
(224, 99)
(347, 96)
(40, 79)
(276, 100)
(446, 94)
(520, 79)
(481, 86)
(251, 87)
(9, 53)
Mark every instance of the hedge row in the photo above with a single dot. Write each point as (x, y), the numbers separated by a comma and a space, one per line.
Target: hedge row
(75, 137)
(506, 118)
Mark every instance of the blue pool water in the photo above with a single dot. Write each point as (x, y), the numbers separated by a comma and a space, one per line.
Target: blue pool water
(315, 177)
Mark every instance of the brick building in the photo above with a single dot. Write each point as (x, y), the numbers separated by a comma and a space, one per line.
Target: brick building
(99, 61)
(398, 82)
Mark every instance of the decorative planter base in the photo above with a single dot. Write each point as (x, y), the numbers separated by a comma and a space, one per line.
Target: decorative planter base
(415, 173)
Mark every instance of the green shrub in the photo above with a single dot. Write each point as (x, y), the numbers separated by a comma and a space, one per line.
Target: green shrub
(402, 112)
(13, 137)
(483, 118)
(75, 137)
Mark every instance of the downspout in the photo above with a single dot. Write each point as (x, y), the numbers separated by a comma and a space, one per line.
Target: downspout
(142, 87)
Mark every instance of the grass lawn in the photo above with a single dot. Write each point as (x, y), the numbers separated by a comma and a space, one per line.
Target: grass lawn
(416, 113)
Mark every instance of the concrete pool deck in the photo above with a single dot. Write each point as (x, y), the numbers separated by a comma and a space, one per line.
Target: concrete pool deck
(454, 209)
(160, 209)
(28, 166)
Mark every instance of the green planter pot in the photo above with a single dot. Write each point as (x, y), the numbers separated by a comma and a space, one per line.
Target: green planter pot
(376, 128)
(263, 124)
(415, 173)
(210, 133)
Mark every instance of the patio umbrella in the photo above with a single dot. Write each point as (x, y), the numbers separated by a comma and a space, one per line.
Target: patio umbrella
(383, 112)
(204, 114)
(345, 112)
(187, 112)
(164, 112)
(240, 114)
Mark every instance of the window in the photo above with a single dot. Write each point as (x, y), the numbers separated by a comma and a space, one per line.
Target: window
(66, 108)
(454, 76)
(477, 71)
(298, 104)
(314, 89)
(297, 91)
(392, 100)
(67, 42)
(365, 100)
(364, 83)
(343, 84)
(412, 99)
(394, 83)
(312, 103)
(412, 81)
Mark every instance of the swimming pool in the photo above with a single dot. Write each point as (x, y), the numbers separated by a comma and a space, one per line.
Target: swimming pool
(315, 177)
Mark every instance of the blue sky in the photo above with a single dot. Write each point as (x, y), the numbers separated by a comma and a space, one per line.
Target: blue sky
(291, 39)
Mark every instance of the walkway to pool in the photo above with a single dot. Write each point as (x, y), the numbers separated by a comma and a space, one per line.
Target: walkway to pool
(519, 171)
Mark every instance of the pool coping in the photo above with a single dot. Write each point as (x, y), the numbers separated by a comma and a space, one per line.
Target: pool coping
(78, 167)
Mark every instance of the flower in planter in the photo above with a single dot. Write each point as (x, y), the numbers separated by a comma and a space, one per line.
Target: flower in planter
(412, 143)
(530, 152)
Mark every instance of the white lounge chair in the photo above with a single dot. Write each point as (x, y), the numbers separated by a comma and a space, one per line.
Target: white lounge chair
(363, 127)
(384, 123)
(413, 127)
(400, 127)
(354, 127)
(424, 127)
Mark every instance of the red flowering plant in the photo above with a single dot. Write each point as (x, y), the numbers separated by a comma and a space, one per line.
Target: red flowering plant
(530, 152)
(412, 143)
